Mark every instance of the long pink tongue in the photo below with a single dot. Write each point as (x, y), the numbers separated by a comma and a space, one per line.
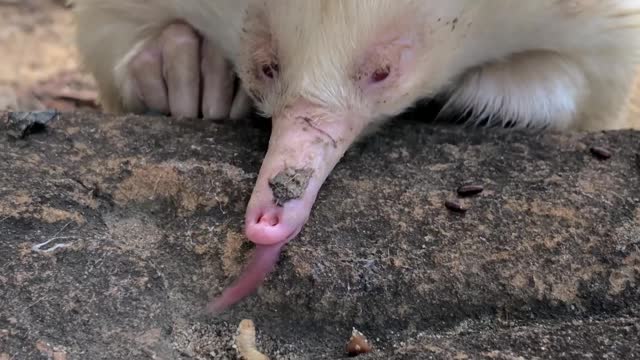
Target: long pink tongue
(263, 261)
(306, 143)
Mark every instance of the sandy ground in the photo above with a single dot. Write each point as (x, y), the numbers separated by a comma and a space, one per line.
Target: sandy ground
(39, 66)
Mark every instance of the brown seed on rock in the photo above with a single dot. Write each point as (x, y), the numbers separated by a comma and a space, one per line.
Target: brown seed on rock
(470, 190)
(357, 344)
(455, 206)
(601, 153)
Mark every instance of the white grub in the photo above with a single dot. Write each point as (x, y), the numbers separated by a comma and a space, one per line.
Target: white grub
(246, 342)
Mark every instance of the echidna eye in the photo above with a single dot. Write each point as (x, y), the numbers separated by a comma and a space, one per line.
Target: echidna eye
(270, 70)
(380, 74)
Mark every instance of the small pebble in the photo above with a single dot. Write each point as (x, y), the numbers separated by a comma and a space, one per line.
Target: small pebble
(470, 190)
(455, 206)
(601, 153)
(357, 344)
(24, 123)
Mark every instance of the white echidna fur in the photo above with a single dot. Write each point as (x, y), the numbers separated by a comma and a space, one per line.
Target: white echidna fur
(545, 63)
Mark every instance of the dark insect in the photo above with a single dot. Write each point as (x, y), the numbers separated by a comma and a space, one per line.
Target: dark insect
(470, 190)
(601, 153)
(455, 206)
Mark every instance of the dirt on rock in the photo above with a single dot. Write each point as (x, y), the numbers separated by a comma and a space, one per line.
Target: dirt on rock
(290, 184)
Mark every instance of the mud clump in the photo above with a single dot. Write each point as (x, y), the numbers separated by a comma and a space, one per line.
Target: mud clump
(289, 184)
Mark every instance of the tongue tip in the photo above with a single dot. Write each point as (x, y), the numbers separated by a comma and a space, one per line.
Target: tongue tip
(216, 307)
(262, 263)
(226, 300)
(274, 226)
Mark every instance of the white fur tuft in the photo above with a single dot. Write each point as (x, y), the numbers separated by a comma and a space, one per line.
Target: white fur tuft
(533, 90)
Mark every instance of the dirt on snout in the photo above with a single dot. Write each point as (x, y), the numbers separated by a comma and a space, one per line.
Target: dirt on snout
(289, 184)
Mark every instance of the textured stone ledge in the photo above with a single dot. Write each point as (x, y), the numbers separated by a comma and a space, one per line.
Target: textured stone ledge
(147, 213)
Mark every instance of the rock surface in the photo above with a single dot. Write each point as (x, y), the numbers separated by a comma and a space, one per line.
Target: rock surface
(115, 231)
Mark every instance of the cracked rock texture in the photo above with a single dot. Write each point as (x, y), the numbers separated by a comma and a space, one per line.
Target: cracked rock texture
(115, 231)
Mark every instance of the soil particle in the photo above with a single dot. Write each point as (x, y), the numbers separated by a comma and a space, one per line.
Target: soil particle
(290, 184)
(358, 344)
